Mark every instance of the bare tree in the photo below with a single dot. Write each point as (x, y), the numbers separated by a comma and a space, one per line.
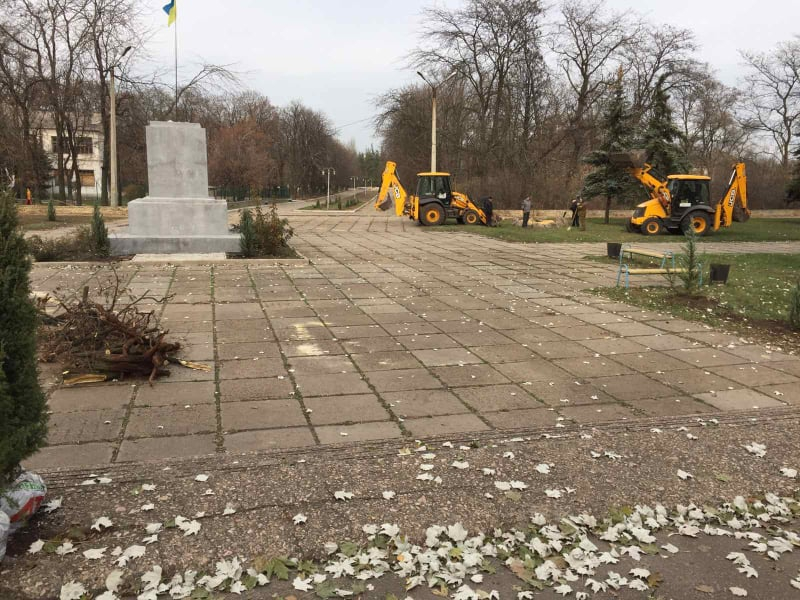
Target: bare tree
(771, 95)
(588, 43)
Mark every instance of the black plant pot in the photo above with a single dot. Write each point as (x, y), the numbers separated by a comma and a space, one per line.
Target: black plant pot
(719, 273)
(613, 249)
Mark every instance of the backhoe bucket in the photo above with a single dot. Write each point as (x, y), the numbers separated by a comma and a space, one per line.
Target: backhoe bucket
(633, 159)
(387, 202)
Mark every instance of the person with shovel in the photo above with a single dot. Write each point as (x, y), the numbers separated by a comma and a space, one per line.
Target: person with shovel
(573, 207)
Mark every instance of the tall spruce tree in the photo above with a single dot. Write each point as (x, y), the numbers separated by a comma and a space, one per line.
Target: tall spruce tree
(607, 179)
(23, 420)
(661, 136)
(793, 189)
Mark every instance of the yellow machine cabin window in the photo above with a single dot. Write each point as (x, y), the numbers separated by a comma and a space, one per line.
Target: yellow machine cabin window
(434, 186)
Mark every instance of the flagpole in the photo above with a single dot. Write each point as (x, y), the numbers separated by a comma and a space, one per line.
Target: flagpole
(175, 23)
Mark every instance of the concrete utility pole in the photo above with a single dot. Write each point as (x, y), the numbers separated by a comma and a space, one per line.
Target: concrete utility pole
(433, 115)
(328, 171)
(355, 189)
(114, 199)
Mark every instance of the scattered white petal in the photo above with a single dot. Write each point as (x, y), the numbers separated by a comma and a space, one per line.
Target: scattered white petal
(302, 585)
(790, 473)
(343, 495)
(544, 469)
(737, 591)
(388, 495)
(460, 465)
(756, 449)
(685, 475)
(66, 548)
(229, 510)
(53, 505)
(201, 478)
(36, 547)
(72, 591)
(299, 518)
(95, 553)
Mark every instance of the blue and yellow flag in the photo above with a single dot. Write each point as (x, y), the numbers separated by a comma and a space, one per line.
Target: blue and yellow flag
(171, 10)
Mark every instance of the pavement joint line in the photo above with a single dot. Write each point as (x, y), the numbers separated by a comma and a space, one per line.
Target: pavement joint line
(124, 426)
(298, 395)
(219, 438)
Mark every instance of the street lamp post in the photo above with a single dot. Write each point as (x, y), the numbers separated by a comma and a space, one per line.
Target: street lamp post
(355, 189)
(328, 171)
(433, 115)
(114, 200)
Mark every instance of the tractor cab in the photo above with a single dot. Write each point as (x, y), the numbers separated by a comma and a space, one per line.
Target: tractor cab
(434, 186)
(687, 191)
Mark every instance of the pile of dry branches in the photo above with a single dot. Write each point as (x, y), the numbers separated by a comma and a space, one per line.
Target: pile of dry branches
(112, 338)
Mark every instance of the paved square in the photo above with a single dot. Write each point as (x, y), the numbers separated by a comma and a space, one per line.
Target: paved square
(385, 334)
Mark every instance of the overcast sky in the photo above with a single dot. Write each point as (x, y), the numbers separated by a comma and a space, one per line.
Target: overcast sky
(337, 56)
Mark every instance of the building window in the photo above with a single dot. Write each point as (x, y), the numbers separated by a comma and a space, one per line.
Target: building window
(84, 145)
(87, 178)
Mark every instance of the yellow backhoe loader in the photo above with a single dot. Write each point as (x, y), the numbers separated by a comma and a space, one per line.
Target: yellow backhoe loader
(433, 203)
(682, 202)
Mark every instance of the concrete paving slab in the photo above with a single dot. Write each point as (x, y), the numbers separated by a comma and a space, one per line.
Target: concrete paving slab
(361, 432)
(739, 400)
(176, 394)
(147, 449)
(237, 390)
(262, 414)
(423, 403)
(334, 410)
(755, 375)
(402, 379)
(163, 421)
(269, 439)
(330, 384)
(470, 375)
(432, 426)
(492, 398)
(95, 397)
(71, 455)
(85, 426)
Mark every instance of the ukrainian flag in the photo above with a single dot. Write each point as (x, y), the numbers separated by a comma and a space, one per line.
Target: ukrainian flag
(171, 10)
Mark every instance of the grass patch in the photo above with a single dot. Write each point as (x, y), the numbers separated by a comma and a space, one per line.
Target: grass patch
(755, 303)
(755, 230)
(38, 222)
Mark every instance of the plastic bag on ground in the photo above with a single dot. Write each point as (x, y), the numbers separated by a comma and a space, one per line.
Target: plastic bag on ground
(22, 499)
(5, 525)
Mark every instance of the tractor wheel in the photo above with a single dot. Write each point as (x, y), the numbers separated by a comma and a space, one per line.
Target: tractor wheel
(432, 214)
(460, 220)
(699, 222)
(652, 226)
(471, 217)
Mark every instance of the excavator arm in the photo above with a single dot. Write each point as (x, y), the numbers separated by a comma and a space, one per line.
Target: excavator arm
(655, 187)
(733, 206)
(391, 192)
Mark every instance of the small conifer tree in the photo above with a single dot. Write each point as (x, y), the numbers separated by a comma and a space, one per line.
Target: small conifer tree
(51, 211)
(247, 234)
(23, 419)
(101, 245)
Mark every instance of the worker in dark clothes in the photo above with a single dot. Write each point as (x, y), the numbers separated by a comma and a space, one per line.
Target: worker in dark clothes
(488, 210)
(526, 211)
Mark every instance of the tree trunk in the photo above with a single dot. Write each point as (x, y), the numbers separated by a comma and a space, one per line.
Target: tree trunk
(608, 210)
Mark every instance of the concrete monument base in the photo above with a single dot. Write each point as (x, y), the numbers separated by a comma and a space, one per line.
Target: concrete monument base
(178, 217)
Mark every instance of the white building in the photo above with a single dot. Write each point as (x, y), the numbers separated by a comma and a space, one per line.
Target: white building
(90, 154)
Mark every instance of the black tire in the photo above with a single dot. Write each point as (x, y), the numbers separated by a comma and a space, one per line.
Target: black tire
(460, 220)
(631, 228)
(432, 214)
(699, 221)
(471, 217)
(652, 226)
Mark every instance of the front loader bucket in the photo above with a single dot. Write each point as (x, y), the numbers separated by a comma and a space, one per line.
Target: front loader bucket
(634, 159)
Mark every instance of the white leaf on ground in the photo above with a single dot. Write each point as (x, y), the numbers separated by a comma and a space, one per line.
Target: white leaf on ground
(638, 585)
(66, 548)
(152, 578)
(342, 495)
(388, 495)
(460, 465)
(147, 507)
(477, 578)
(518, 485)
(107, 595)
(563, 589)
(201, 478)
(186, 526)
(299, 518)
(543, 468)
(72, 591)
(685, 475)
(509, 455)
(95, 553)
(102, 523)
(330, 547)
(428, 456)
(489, 472)
(503, 486)
(229, 510)
(425, 477)
(36, 547)
(148, 487)
(53, 505)
(457, 533)
(129, 554)
(553, 493)
(759, 450)
(237, 587)
(150, 539)
(671, 548)
(640, 573)
(104, 480)
(302, 585)
(390, 529)
(790, 473)
(426, 467)
(152, 528)
(737, 591)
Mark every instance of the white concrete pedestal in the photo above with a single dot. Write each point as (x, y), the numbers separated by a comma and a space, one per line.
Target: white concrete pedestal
(179, 217)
